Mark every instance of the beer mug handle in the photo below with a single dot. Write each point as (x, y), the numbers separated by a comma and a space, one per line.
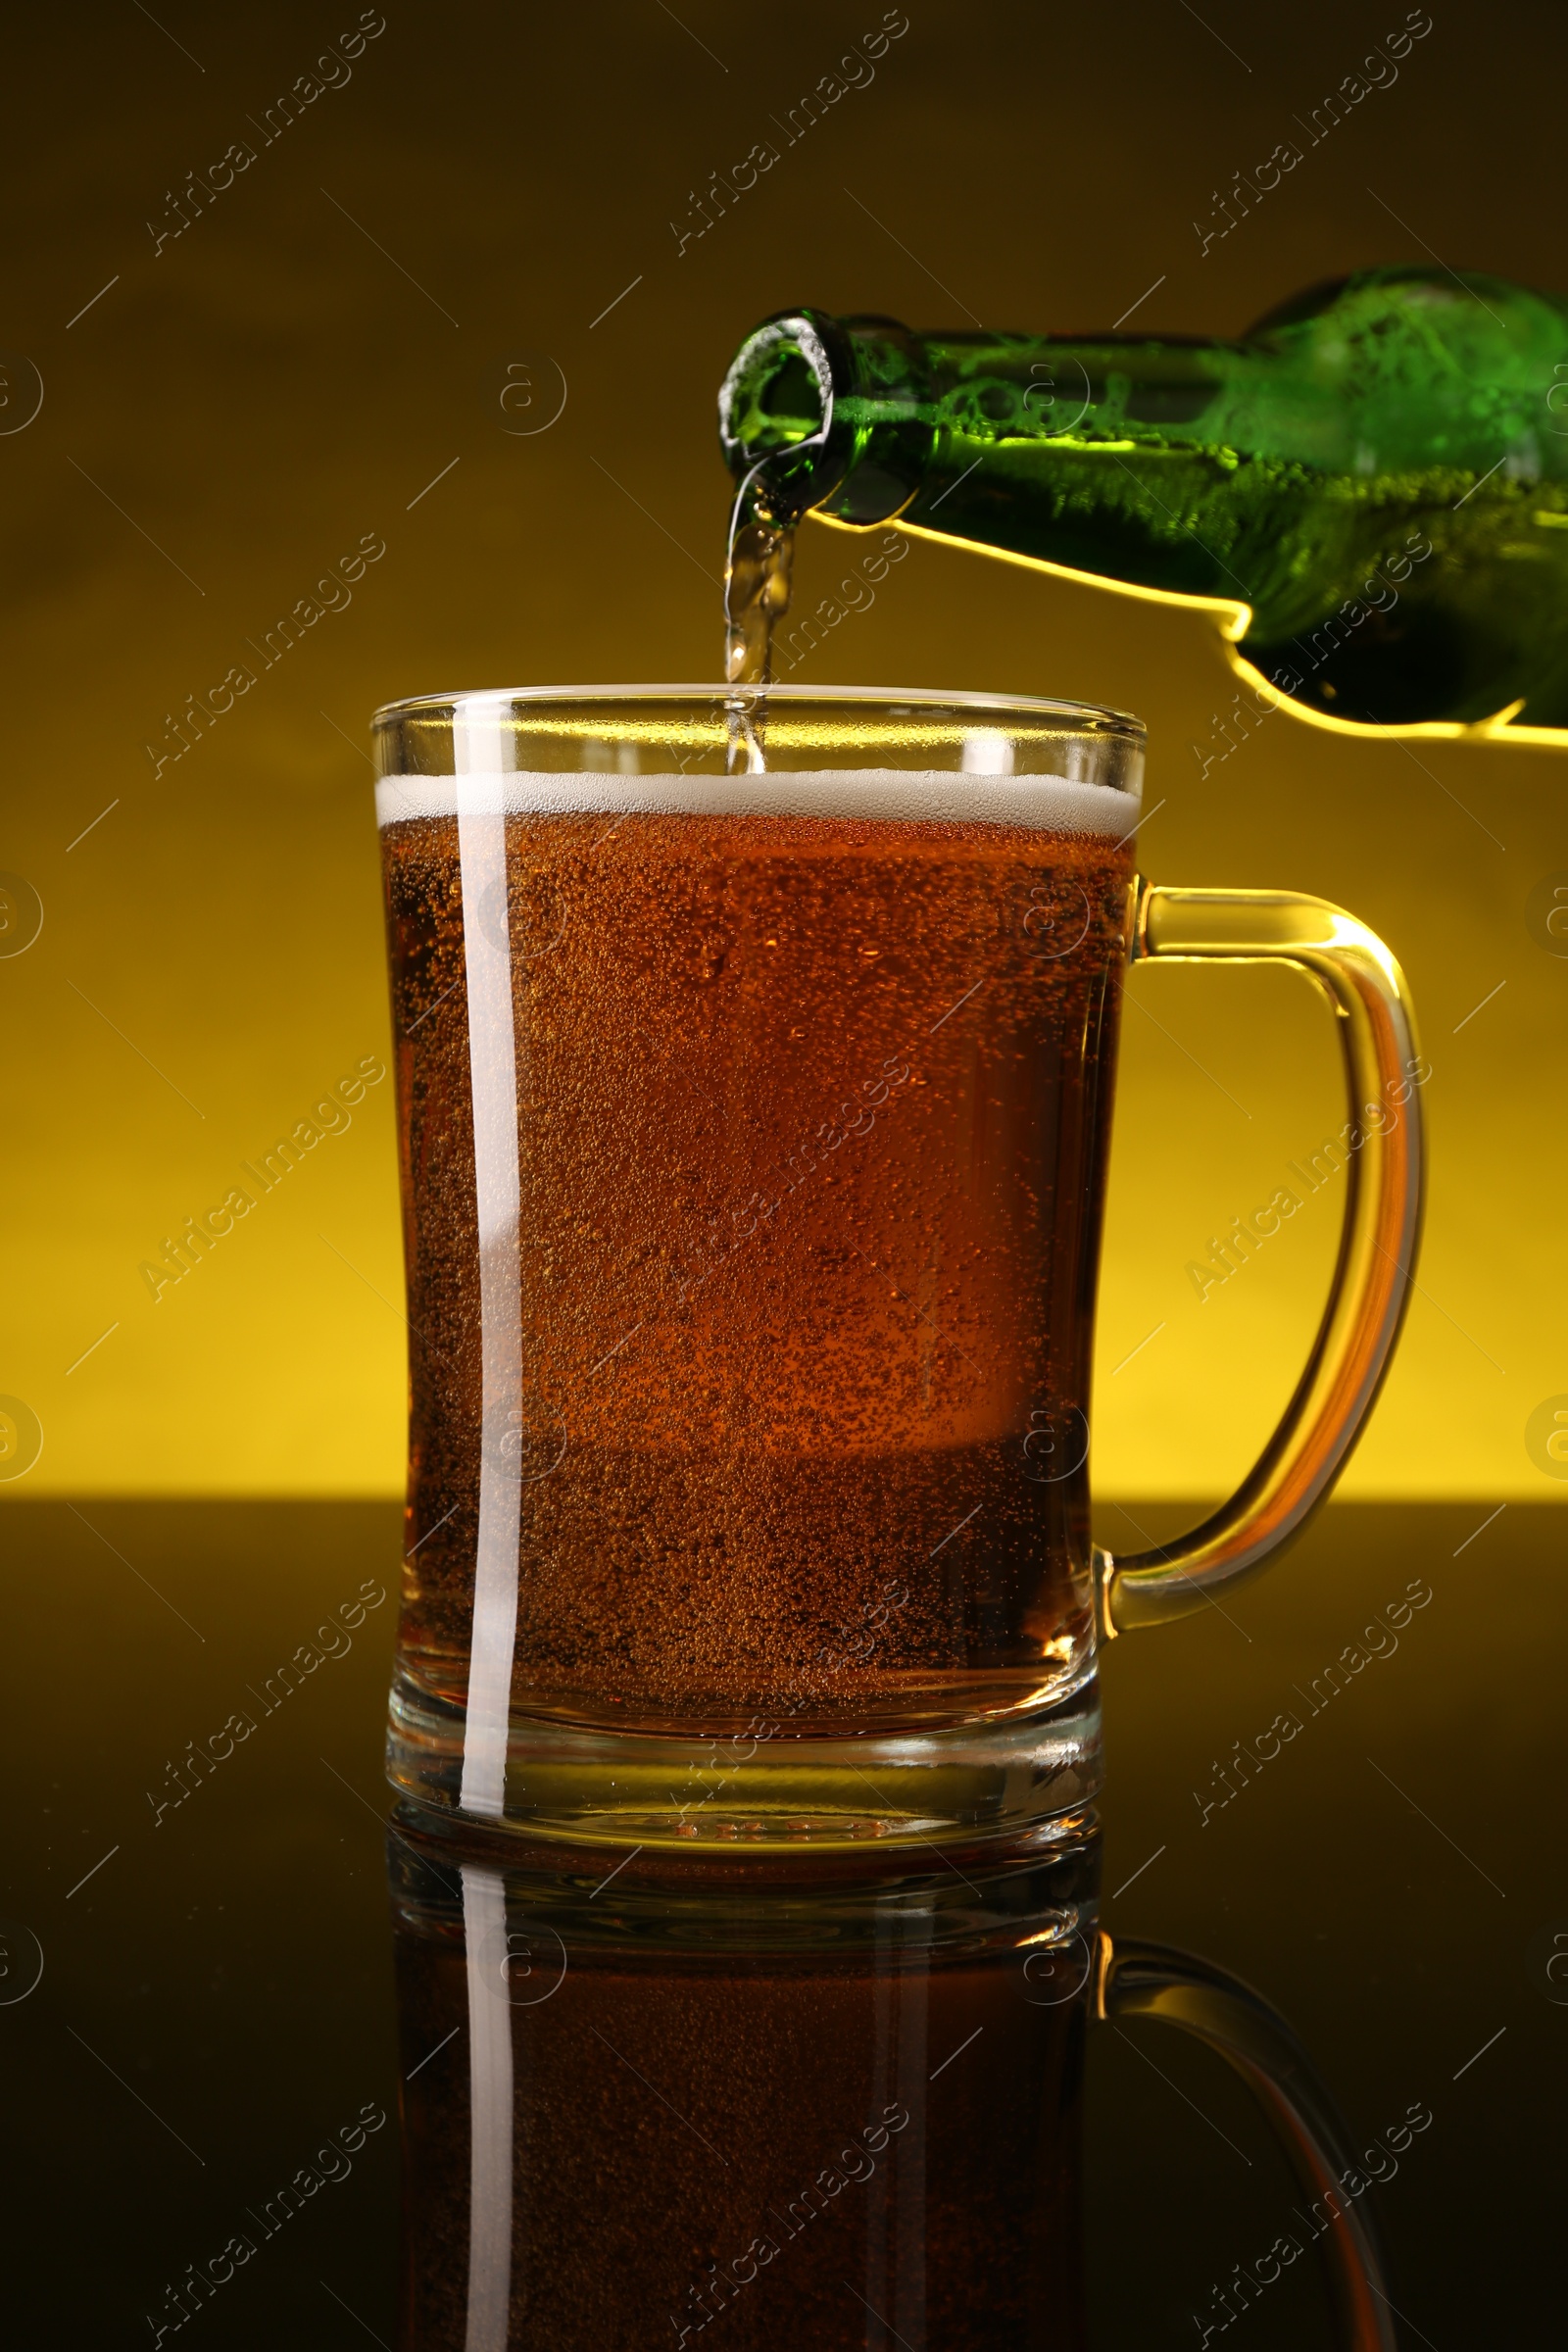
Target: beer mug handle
(1136, 1979)
(1367, 1296)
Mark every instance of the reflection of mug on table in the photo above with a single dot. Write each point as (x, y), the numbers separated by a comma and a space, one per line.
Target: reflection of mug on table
(832, 2112)
(755, 1133)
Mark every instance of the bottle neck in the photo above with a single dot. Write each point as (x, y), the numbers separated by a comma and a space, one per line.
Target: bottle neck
(863, 420)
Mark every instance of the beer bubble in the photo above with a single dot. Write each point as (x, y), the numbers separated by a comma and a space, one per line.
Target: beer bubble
(1547, 913)
(1057, 919)
(521, 1965)
(21, 1962)
(524, 916)
(1546, 1437)
(526, 391)
(1547, 1961)
(21, 392)
(1055, 1973)
(1558, 399)
(1051, 410)
(1055, 1444)
(531, 1443)
(21, 1438)
(21, 914)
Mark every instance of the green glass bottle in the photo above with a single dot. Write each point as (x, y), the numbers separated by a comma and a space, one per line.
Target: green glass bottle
(1376, 474)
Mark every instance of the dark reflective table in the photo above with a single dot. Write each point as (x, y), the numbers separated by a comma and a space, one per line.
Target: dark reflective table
(242, 2024)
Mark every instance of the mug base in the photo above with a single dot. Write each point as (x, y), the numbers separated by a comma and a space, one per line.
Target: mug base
(626, 1788)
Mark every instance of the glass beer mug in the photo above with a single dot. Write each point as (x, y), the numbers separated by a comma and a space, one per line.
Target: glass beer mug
(756, 1052)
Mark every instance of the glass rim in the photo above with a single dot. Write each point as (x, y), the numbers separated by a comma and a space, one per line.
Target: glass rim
(1083, 718)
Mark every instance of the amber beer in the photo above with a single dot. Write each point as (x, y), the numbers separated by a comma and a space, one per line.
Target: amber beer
(813, 1090)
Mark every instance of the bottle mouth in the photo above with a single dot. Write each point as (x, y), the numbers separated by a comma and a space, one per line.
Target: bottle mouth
(776, 413)
(827, 414)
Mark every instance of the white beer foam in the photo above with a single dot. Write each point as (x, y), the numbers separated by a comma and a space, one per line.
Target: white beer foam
(879, 795)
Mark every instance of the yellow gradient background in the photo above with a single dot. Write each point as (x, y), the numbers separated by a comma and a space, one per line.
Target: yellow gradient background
(239, 408)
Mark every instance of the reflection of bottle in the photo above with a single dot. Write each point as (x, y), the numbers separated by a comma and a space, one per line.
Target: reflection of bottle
(1377, 474)
(833, 2104)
